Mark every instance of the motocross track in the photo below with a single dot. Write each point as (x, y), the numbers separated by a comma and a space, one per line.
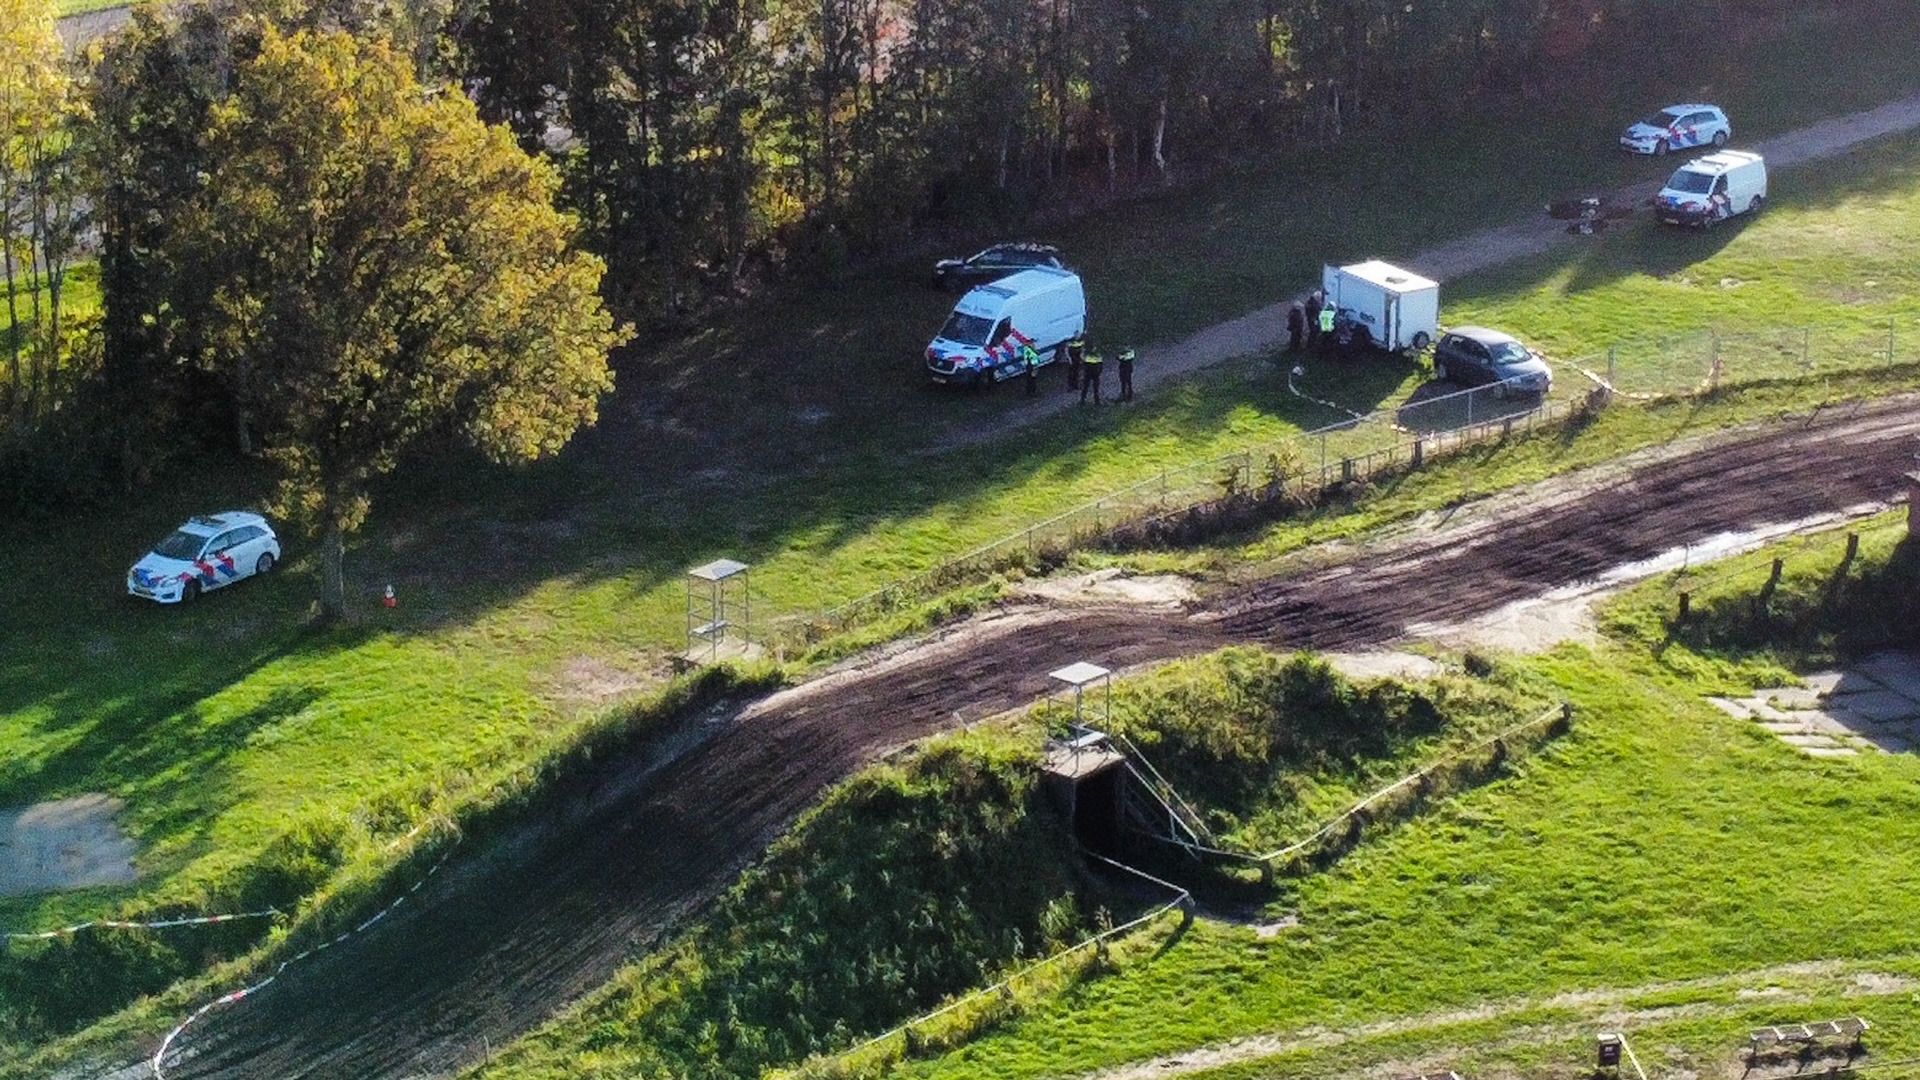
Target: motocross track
(508, 935)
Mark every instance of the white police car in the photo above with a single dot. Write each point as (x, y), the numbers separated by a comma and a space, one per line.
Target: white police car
(205, 553)
(1678, 127)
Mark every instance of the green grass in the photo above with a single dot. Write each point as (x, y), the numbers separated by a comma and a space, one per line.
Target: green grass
(1660, 841)
(81, 297)
(531, 600)
(975, 873)
(81, 7)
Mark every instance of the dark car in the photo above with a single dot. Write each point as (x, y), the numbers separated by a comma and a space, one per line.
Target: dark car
(1477, 356)
(996, 262)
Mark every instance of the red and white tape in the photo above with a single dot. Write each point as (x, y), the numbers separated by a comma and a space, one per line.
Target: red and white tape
(125, 924)
(166, 1044)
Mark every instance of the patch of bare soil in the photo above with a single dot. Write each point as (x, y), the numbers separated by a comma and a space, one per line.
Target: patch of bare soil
(1115, 586)
(513, 932)
(69, 844)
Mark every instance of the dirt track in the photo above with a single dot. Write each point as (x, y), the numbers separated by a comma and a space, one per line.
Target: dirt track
(494, 946)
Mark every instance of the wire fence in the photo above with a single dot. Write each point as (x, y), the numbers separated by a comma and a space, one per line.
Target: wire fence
(1437, 420)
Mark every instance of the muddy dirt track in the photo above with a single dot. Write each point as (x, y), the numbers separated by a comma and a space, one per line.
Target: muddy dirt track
(509, 934)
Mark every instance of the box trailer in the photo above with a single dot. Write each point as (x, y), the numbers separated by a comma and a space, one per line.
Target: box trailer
(1396, 309)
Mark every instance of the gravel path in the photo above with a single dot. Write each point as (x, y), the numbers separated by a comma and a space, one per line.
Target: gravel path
(1265, 330)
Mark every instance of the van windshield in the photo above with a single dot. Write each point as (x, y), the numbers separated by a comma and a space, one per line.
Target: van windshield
(1693, 183)
(967, 329)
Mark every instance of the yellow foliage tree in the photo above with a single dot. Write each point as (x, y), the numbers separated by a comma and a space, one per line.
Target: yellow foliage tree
(383, 266)
(39, 211)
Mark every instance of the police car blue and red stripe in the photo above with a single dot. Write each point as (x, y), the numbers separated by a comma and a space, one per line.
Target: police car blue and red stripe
(206, 553)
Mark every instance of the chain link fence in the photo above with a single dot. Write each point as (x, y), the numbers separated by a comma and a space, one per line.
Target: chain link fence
(1438, 419)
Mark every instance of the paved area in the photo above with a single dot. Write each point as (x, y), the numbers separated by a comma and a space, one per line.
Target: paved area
(69, 844)
(1872, 706)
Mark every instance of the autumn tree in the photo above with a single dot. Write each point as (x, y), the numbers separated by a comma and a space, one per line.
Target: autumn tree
(384, 266)
(40, 211)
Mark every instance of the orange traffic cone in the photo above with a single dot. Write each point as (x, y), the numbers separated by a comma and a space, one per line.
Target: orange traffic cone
(390, 600)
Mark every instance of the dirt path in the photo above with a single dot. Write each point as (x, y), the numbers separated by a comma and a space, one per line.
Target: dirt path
(78, 31)
(496, 946)
(1265, 330)
(1606, 1009)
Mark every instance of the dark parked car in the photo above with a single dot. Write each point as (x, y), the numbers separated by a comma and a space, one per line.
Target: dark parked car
(1476, 356)
(996, 262)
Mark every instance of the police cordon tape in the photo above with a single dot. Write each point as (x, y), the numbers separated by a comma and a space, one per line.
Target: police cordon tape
(126, 924)
(159, 1057)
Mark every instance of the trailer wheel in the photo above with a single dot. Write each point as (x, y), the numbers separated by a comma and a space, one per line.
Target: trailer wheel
(1421, 341)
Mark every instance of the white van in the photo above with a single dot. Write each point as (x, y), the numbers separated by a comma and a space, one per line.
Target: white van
(1709, 190)
(980, 344)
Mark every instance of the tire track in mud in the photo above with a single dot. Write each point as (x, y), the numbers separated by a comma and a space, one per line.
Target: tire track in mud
(508, 935)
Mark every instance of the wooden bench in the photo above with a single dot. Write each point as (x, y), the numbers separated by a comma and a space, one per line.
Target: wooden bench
(1853, 1028)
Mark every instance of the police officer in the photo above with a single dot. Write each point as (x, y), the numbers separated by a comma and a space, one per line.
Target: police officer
(1076, 358)
(1326, 328)
(1296, 326)
(1315, 302)
(1090, 376)
(1126, 374)
(1030, 360)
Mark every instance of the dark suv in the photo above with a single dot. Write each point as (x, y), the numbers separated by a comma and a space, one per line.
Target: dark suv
(996, 262)
(1476, 356)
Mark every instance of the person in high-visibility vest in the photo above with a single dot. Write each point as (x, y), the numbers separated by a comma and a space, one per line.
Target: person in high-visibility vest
(1326, 328)
(1076, 356)
(1090, 377)
(1126, 374)
(1030, 358)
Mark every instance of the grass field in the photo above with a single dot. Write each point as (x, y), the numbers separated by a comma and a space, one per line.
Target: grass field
(533, 600)
(977, 873)
(1661, 841)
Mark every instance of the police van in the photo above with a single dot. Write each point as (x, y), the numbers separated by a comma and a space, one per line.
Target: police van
(983, 340)
(1709, 190)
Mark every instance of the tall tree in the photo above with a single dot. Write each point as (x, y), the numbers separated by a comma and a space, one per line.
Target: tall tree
(40, 213)
(384, 266)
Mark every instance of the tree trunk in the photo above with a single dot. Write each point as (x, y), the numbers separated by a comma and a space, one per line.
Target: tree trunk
(1160, 139)
(1112, 165)
(333, 581)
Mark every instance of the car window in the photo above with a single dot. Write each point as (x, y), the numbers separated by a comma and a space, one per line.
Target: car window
(1508, 353)
(181, 545)
(1720, 186)
(224, 541)
(1696, 119)
(966, 329)
(1663, 118)
(245, 534)
(1693, 183)
(1000, 331)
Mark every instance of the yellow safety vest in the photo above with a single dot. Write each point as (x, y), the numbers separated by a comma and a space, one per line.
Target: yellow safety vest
(1094, 360)
(1326, 320)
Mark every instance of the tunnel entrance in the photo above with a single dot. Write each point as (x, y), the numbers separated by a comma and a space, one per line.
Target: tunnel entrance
(1086, 778)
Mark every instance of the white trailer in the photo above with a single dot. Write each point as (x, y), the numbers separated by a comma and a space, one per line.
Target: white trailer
(1398, 309)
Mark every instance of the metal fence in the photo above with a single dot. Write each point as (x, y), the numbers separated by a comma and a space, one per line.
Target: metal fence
(1436, 420)
(1708, 359)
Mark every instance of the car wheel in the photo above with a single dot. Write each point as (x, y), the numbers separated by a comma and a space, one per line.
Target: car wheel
(189, 591)
(1719, 138)
(264, 563)
(1759, 201)
(1660, 148)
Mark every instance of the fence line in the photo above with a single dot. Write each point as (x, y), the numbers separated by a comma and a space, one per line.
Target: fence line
(1358, 449)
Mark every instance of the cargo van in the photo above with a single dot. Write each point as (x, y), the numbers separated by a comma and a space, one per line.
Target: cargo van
(1378, 305)
(1709, 190)
(980, 343)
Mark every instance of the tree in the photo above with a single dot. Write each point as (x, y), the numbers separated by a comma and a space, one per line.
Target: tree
(40, 213)
(384, 266)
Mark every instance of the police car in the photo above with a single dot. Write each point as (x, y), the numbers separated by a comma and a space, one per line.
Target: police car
(205, 553)
(1677, 127)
